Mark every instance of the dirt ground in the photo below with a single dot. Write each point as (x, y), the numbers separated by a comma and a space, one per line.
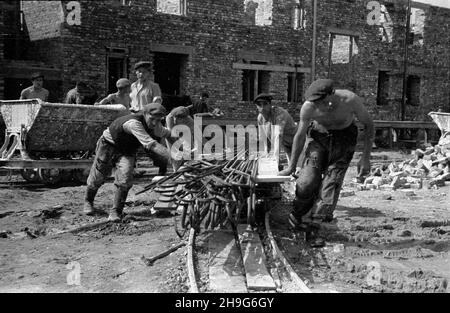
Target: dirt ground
(377, 243)
(380, 241)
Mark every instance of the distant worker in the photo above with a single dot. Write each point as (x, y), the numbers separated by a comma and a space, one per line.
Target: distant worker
(117, 149)
(36, 91)
(144, 90)
(122, 96)
(327, 121)
(202, 107)
(81, 94)
(270, 116)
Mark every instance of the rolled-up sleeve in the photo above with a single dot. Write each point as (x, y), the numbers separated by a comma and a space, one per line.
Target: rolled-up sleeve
(136, 128)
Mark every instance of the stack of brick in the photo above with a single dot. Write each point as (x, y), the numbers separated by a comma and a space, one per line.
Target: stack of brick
(429, 168)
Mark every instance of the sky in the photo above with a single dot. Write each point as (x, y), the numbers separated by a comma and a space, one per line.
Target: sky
(438, 3)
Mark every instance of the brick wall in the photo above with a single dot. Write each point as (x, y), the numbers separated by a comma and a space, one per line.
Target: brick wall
(217, 31)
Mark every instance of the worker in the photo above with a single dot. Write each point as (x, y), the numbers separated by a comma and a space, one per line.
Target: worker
(144, 90)
(327, 121)
(122, 96)
(202, 108)
(270, 116)
(81, 94)
(36, 91)
(179, 116)
(117, 149)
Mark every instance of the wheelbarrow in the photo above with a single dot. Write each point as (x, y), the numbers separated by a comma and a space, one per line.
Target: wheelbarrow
(442, 120)
(52, 141)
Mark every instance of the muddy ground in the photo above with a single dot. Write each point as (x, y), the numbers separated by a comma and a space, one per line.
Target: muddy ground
(377, 243)
(380, 241)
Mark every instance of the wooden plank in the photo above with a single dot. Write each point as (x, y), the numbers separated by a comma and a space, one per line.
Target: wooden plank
(267, 166)
(165, 206)
(258, 277)
(226, 273)
(271, 68)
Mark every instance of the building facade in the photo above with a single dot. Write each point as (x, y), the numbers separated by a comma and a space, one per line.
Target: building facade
(234, 49)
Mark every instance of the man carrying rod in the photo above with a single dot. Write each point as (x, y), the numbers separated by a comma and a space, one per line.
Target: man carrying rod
(327, 124)
(117, 148)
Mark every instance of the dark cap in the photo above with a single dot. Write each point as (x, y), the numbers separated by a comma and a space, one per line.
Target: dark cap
(319, 89)
(204, 94)
(36, 76)
(155, 109)
(123, 82)
(263, 97)
(145, 64)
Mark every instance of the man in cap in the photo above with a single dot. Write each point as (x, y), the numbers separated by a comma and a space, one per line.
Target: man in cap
(36, 90)
(122, 96)
(327, 124)
(144, 90)
(81, 94)
(201, 107)
(117, 149)
(273, 118)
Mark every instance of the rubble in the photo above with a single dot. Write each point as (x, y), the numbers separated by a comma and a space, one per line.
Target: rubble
(430, 168)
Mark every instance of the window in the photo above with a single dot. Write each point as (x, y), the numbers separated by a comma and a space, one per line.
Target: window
(295, 87)
(343, 48)
(175, 7)
(383, 88)
(413, 90)
(116, 67)
(258, 12)
(299, 20)
(254, 82)
(417, 24)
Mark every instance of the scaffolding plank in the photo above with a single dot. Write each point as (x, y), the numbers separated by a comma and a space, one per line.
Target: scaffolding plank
(258, 277)
(226, 273)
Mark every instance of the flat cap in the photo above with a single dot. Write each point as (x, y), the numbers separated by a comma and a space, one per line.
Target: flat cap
(122, 82)
(319, 89)
(155, 109)
(145, 64)
(263, 97)
(36, 76)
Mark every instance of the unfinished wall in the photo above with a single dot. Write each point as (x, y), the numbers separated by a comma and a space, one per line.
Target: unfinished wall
(215, 34)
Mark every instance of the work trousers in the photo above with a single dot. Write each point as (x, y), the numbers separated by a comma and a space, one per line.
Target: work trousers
(108, 157)
(327, 157)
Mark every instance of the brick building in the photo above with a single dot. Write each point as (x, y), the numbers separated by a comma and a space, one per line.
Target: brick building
(232, 48)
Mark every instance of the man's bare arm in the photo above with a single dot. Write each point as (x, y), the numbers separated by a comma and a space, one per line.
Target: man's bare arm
(299, 138)
(364, 117)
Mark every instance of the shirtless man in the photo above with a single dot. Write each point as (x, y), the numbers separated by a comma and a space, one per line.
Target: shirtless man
(327, 124)
(122, 96)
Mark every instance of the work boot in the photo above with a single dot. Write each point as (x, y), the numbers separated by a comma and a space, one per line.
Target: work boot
(120, 196)
(297, 224)
(88, 208)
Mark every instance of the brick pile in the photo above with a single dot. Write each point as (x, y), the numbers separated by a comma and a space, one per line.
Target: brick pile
(430, 168)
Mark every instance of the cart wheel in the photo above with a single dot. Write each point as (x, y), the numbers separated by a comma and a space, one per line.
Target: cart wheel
(30, 175)
(50, 176)
(80, 175)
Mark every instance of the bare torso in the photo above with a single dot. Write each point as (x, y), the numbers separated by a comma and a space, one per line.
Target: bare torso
(337, 113)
